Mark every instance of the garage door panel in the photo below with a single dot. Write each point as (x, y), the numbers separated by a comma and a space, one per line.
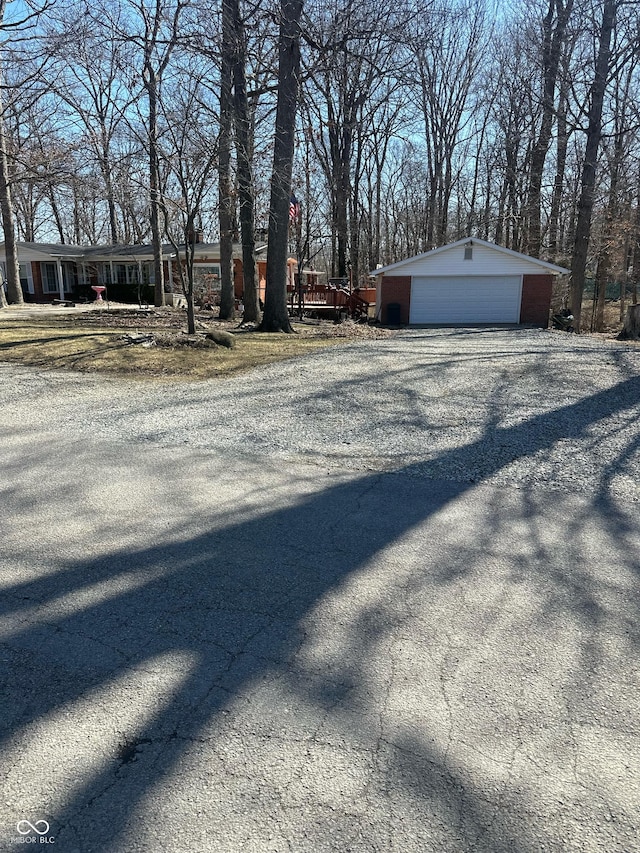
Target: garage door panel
(456, 299)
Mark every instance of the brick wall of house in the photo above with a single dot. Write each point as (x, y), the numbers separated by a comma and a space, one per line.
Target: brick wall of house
(395, 288)
(536, 299)
(238, 281)
(38, 294)
(262, 279)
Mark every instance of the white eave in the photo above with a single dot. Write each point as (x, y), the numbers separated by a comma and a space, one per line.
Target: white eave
(471, 241)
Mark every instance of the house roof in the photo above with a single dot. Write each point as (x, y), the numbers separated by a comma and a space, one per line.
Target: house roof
(122, 252)
(467, 241)
(205, 250)
(52, 250)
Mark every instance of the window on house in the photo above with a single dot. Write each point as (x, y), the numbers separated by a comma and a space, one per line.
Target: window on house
(24, 271)
(468, 253)
(126, 273)
(26, 280)
(69, 275)
(49, 274)
(206, 277)
(148, 273)
(101, 272)
(83, 275)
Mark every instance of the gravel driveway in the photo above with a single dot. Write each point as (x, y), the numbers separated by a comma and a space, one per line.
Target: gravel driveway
(380, 598)
(528, 406)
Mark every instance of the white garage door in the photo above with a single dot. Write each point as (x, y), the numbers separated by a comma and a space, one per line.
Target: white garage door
(458, 299)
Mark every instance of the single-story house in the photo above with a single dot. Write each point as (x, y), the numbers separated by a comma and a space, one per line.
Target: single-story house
(58, 271)
(470, 281)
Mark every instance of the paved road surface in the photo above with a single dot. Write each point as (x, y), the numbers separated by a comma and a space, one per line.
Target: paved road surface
(266, 645)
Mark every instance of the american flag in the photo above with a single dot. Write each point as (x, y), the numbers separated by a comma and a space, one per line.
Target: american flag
(294, 209)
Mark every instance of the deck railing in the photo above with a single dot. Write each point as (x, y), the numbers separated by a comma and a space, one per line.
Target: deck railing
(354, 304)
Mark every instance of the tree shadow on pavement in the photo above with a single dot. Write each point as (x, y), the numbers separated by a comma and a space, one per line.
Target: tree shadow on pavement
(299, 627)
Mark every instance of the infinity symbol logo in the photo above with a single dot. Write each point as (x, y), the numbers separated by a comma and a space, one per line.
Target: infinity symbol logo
(32, 827)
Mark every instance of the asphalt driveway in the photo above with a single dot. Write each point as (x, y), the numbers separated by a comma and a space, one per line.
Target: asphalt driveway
(381, 598)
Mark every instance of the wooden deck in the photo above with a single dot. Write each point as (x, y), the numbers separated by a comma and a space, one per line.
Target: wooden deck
(332, 302)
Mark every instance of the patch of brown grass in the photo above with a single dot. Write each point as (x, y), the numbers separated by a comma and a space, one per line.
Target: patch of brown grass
(87, 342)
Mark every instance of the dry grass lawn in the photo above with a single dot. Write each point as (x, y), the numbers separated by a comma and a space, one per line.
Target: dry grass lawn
(99, 341)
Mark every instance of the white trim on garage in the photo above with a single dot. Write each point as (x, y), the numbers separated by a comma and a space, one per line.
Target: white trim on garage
(465, 299)
(448, 259)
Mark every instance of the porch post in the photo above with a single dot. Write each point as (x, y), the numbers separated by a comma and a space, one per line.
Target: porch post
(60, 278)
(111, 281)
(170, 265)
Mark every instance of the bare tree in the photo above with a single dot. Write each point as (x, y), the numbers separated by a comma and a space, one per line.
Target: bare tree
(448, 48)
(589, 167)
(563, 132)
(244, 150)
(513, 116)
(611, 235)
(190, 154)
(226, 190)
(237, 124)
(14, 290)
(153, 29)
(554, 26)
(384, 122)
(635, 251)
(276, 316)
(351, 72)
(89, 81)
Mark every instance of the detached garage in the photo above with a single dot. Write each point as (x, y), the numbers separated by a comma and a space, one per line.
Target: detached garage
(467, 282)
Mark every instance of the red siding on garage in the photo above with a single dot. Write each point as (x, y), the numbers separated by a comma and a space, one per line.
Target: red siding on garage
(536, 299)
(395, 288)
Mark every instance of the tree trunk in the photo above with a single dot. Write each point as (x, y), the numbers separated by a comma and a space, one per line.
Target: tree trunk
(340, 137)
(77, 239)
(594, 134)
(276, 316)
(635, 279)
(154, 188)
(631, 329)
(245, 175)
(189, 253)
(562, 144)
(104, 160)
(487, 205)
(105, 165)
(602, 278)
(623, 294)
(551, 52)
(354, 218)
(14, 290)
(374, 258)
(225, 194)
(56, 211)
(608, 230)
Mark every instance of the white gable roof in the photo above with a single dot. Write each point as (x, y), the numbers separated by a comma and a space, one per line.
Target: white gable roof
(487, 258)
